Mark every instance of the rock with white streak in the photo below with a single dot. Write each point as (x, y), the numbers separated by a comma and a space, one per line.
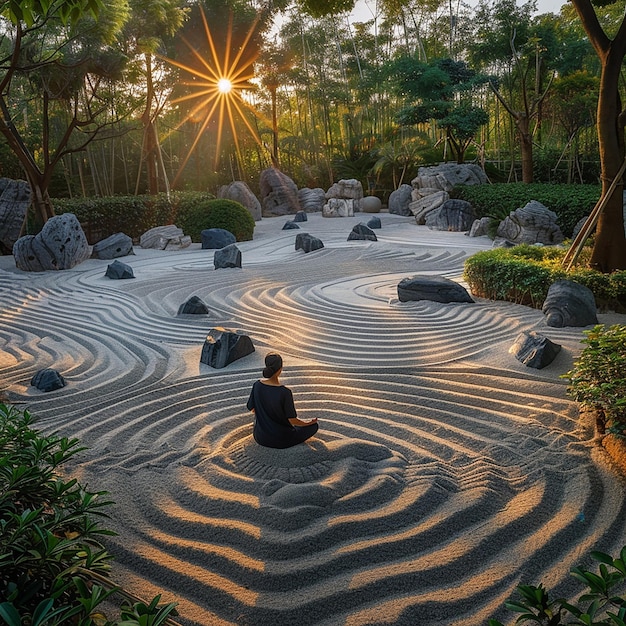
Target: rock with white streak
(168, 237)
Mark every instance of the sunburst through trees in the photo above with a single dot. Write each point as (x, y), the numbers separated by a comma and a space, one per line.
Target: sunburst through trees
(216, 85)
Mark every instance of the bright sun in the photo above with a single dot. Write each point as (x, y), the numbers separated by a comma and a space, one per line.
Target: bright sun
(217, 89)
(224, 85)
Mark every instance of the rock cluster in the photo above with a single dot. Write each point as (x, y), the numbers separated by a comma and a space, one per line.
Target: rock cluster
(533, 223)
(343, 199)
(165, 238)
(60, 245)
(279, 194)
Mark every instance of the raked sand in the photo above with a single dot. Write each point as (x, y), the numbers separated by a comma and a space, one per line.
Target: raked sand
(444, 472)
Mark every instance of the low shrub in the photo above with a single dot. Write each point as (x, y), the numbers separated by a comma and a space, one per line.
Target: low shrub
(53, 568)
(600, 604)
(570, 202)
(132, 215)
(227, 214)
(598, 379)
(523, 274)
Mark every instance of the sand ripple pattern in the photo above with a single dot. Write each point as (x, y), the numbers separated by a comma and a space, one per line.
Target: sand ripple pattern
(440, 479)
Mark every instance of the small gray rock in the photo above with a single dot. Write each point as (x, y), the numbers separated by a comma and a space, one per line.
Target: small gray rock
(534, 350)
(193, 306)
(290, 225)
(300, 216)
(374, 222)
(307, 242)
(224, 346)
(433, 288)
(119, 271)
(48, 380)
(112, 247)
(216, 238)
(230, 256)
(569, 304)
(362, 232)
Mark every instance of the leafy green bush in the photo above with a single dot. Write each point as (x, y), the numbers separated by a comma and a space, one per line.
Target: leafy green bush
(50, 550)
(227, 214)
(598, 379)
(569, 202)
(523, 274)
(132, 215)
(599, 605)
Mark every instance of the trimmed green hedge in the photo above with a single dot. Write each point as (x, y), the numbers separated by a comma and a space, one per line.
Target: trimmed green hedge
(569, 202)
(227, 214)
(523, 274)
(132, 215)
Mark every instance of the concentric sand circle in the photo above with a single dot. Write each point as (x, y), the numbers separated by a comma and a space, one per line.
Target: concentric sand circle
(444, 472)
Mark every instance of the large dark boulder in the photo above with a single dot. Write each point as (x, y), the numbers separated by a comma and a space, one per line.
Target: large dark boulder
(433, 288)
(307, 242)
(113, 247)
(279, 194)
(569, 304)
(216, 238)
(48, 380)
(453, 215)
(119, 271)
(362, 232)
(193, 306)
(15, 198)
(60, 245)
(223, 346)
(230, 256)
(534, 350)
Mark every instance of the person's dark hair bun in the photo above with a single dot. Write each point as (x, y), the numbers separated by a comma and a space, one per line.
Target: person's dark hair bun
(273, 363)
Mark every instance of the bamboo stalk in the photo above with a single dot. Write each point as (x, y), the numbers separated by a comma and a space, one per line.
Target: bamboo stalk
(582, 236)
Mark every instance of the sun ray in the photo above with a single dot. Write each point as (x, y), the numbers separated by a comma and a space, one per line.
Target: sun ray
(217, 85)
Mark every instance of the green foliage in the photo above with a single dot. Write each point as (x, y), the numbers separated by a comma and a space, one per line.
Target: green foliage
(523, 274)
(132, 215)
(598, 378)
(599, 605)
(50, 550)
(569, 202)
(227, 214)
(29, 12)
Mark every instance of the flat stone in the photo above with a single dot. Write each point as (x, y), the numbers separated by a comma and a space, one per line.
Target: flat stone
(193, 306)
(48, 380)
(362, 232)
(168, 237)
(223, 346)
(534, 350)
(113, 247)
(569, 304)
(230, 256)
(433, 288)
(216, 238)
(119, 271)
(307, 242)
